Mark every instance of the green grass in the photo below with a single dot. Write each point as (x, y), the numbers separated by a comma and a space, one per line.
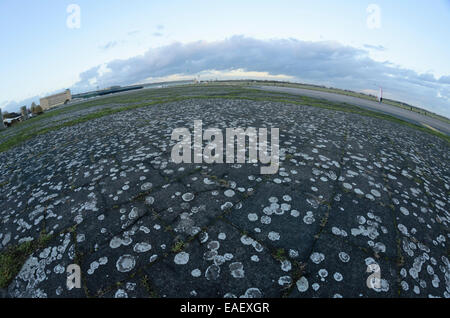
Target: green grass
(178, 247)
(279, 254)
(13, 258)
(145, 282)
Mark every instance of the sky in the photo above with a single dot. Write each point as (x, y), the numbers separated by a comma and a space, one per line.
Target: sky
(47, 46)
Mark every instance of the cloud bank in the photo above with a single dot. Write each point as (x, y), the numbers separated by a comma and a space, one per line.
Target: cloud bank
(326, 63)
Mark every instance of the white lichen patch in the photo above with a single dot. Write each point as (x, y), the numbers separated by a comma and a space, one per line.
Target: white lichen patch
(212, 272)
(222, 236)
(116, 242)
(142, 247)
(338, 277)
(187, 197)
(375, 193)
(125, 263)
(285, 281)
(146, 186)
(309, 218)
(246, 240)
(237, 270)
(317, 258)
(252, 293)
(273, 236)
(196, 272)
(344, 257)
(181, 258)
(229, 193)
(302, 284)
(404, 210)
(286, 265)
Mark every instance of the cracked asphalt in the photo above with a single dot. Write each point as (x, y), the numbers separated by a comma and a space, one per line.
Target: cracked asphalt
(351, 192)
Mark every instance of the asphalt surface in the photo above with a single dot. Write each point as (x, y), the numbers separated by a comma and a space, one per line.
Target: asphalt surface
(398, 112)
(348, 198)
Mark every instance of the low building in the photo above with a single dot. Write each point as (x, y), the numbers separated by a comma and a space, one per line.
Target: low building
(55, 100)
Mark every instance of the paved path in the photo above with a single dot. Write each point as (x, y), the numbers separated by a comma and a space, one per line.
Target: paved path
(398, 112)
(347, 198)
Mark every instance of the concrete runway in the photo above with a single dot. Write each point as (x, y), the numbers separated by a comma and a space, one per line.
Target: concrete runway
(401, 113)
(352, 191)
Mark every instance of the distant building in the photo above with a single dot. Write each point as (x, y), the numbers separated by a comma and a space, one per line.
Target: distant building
(55, 100)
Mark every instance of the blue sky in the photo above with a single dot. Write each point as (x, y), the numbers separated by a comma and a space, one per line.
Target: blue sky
(322, 42)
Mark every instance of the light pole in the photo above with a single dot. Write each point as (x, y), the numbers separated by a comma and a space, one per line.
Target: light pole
(380, 93)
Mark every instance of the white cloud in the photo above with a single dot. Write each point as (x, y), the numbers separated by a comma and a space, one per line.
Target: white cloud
(326, 63)
(108, 45)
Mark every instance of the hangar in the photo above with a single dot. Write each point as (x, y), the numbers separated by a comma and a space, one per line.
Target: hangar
(55, 100)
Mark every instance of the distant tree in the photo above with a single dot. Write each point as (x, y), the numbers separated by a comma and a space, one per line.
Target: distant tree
(33, 108)
(38, 110)
(5, 114)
